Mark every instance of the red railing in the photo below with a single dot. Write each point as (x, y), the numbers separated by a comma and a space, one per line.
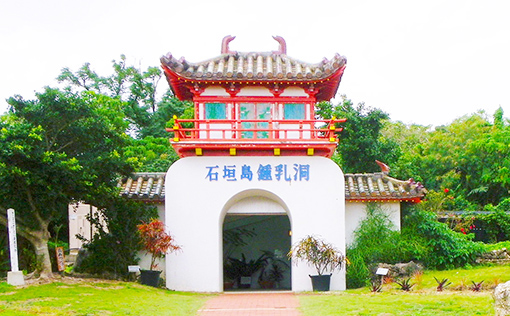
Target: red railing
(255, 130)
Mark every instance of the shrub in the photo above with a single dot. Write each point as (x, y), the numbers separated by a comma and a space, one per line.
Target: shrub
(422, 239)
(376, 237)
(476, 287)
(440, 247)
(498, 246)
(115, 246)
(375, 241)
(442, 284)
(358, 273)
(155, 240)
(405, 285)
(496, 223)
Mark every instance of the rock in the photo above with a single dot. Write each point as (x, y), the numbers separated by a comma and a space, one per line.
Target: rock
(399, 270)
(502, 299)
(496, 254)
(83, 254)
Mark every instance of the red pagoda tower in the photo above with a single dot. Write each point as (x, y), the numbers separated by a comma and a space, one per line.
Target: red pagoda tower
(254, 155)
(254, 104)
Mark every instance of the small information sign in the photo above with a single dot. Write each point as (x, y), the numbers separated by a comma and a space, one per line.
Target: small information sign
(382, 271)
(60, 258)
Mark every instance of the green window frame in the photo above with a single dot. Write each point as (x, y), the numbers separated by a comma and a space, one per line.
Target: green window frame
(294, 111)
(215, 111)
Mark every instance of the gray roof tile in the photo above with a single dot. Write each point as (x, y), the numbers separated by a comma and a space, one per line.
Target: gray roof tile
(254, 66)
(379, 186)
(358, 187)
(144, 186)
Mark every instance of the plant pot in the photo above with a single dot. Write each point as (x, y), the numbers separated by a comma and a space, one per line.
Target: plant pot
(149, 277)
(244, 282)
(228, 285)
(321, 282)
(266, 284)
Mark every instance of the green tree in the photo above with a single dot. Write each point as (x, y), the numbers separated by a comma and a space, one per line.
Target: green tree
(59, 148)
(469, 157)
(146, 109)
(361, 141)
(151, 154)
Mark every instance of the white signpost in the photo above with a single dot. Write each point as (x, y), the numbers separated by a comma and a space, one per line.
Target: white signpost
(14, 277)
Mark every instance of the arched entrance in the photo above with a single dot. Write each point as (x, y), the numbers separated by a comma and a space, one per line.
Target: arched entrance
(256, 239)
(197, 205)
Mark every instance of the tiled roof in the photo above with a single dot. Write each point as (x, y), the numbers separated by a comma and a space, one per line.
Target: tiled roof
(233, 70)
(267, 66)
(379, 186)
(358, 187)
(144, 186)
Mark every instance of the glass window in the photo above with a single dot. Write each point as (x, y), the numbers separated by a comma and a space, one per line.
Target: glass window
(247, 111)
(251, 112)
(294, 111)
(215, 111)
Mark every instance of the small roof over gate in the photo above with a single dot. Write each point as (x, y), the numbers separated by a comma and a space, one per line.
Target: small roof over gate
(149, 187)
(379, 186)
(366, 187)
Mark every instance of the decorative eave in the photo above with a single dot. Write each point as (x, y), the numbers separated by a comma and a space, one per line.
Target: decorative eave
(234, 70)
(379, 187)
(366, 187)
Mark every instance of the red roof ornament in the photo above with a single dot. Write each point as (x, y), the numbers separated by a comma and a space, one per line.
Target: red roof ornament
(282, 50)
(224, 44)
(384, 167)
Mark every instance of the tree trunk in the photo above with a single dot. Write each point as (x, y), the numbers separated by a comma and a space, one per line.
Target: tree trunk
(42, 253)
(39, 239)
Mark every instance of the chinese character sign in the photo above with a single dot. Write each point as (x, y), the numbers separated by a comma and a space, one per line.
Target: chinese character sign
(269, 172)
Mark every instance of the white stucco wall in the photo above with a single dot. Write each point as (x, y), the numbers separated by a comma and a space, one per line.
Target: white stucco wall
(294, 92)
(79, 224)
(255, 91)
(215, 91)
(197, 203)
(355, 212)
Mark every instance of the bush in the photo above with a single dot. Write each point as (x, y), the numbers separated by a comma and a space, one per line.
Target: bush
(498, 246)
(115, 246)
(375, 241)
(358, 273)
(422, 239)
(376, 237)
(439, 246)
(496, 223)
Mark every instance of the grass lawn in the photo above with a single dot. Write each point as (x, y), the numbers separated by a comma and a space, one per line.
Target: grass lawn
(100, 297)
(96, 298)
(457, 299)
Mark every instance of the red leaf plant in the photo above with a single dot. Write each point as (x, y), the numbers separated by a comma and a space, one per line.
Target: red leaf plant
(156, 241)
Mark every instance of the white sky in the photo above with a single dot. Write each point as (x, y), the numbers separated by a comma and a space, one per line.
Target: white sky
(424, 62)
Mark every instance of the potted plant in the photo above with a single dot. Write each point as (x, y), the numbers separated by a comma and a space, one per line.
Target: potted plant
(233, 239)
(231, 274)
(272, 272)
(323, 256)
(157, 242)
(270, 278)
(246, 269)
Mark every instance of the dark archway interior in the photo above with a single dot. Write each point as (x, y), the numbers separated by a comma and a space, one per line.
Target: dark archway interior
(255, 251)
